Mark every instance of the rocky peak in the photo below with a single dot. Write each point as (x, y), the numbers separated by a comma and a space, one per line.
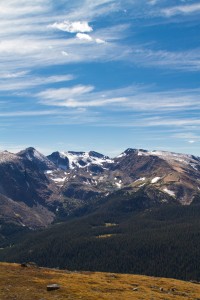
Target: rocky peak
(34, 156)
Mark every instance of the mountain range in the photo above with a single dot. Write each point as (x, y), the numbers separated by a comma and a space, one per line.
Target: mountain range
(134, 213)
(36, 190)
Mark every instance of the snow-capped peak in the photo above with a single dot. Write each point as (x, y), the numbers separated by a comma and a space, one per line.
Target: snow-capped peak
(73, 160)
(84, 159)
(127, 152)
(35, 156)
(170, 156)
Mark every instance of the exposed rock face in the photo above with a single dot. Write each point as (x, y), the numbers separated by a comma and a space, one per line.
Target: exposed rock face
(60, 160)
(36, 158)
(25, 190)
(175, 175)
(24, 215)
(35, 188)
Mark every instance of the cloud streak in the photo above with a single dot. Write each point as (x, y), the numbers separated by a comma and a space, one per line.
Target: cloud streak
(24, 81)
(182, 9)
(77, 96)
(135, 98)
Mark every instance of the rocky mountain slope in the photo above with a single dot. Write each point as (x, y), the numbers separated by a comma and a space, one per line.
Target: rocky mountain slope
(169, 174)
(35, 189)
(26, 192)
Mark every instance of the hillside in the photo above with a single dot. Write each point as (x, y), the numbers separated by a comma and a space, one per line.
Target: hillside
(160, 242)
(30, 284)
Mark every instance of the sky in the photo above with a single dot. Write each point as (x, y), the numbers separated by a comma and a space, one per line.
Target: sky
(103, 75)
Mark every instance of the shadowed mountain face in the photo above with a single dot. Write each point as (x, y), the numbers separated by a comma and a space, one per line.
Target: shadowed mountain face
(25, 191)
(35, 189)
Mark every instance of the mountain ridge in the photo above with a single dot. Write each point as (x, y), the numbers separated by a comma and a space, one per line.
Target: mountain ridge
(66, 182)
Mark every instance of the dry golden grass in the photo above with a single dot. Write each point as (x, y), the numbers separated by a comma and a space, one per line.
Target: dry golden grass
(110, 224)
(105, 236)
(17, 283)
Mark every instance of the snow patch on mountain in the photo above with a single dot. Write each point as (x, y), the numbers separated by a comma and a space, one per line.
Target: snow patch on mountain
(140, 179)
(155, 179)
(119, 185)
(48, 172)
(85, 159)
(59, 179)
(141, 185)
(168, 156)
(121, 155)
(171, 193)
(194, 166)
(6, 156)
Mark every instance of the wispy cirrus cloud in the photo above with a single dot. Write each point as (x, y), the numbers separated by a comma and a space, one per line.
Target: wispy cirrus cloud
(175, 60)
(24, 81)
(135, 98)
(77, 96)
(28, 113)
(182, 9)
(190, 137)
(152, 2)
(27, 42)
(12, 8)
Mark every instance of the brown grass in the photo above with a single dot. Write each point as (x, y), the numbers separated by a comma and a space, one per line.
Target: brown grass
(17, 283)
(105, 236)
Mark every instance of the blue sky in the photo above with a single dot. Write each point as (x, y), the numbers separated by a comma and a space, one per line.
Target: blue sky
(100, 75)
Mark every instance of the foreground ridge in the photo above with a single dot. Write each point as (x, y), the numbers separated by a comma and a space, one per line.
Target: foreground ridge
(30, 283)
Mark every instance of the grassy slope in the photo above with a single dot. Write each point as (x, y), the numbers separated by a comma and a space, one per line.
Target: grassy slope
(30, 284)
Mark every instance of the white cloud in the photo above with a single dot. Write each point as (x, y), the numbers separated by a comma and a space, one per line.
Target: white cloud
(78, 96)
(72, 27)
(11, 8)
(180, 60)
(13, 75)
(87, 38)
(65, 53)
(182, 9)
(189, 137)
(152, 2)
(28, 113)
(100, 41)
(84, 37)
(63, 93)
(91, 10)
(23, 81)
(132, 98)
(171, 122)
